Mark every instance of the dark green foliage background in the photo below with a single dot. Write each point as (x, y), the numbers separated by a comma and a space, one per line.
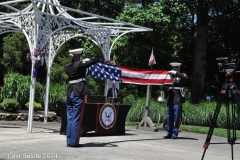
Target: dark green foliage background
(172, 38)
(174, 27)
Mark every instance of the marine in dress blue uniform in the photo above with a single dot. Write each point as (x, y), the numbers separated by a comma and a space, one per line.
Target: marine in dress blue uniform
(174, 100)
(77, 89)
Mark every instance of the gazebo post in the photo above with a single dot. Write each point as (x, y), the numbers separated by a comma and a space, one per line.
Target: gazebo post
(48, 82)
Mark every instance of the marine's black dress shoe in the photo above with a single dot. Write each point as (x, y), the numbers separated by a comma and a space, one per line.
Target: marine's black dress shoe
(63, 133)
(174, 137)
(78, 145)
(167, 137)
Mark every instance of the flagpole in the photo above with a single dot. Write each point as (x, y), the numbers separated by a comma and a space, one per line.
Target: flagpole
(146, 123)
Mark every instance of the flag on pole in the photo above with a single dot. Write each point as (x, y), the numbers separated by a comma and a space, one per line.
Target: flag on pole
(152, 60)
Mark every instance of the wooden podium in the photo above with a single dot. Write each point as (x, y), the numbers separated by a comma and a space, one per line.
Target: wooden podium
(102, 118)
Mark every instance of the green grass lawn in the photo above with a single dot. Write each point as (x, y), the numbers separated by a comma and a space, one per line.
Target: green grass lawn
(204, 130)
(197, 129)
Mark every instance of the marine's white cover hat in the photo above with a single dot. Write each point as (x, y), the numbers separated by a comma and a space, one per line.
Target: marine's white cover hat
(175, 64)
(76, 51)
(113, 81)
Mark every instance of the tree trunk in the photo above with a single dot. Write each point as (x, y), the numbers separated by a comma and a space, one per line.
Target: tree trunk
(199, 62)
(143, 3)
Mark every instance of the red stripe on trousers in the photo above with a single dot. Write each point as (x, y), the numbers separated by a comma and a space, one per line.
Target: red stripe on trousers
(80, 119)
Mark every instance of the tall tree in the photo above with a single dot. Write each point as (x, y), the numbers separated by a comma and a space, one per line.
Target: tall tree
(199, 62)
(170, 37)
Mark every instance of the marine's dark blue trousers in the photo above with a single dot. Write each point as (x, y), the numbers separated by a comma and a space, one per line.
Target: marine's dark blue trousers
(173, 119)
(75, 110)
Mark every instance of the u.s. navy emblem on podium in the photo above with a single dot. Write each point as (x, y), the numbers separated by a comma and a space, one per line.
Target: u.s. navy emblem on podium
(107, 116)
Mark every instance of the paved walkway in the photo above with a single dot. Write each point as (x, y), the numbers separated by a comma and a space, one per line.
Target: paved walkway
(45, 142)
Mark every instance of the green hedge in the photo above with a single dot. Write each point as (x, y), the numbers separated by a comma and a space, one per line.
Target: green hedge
(17, 87)
(9, 105)
(196, 115)
(37, 106)
(137, 111)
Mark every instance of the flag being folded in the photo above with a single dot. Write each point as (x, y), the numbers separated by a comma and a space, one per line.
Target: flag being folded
(105, 71)
(129, 75)
(145, 77)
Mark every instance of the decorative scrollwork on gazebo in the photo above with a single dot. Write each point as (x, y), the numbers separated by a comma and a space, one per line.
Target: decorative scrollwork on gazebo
(45, 21)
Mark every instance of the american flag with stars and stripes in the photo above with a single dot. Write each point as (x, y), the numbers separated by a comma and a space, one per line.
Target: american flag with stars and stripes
(105, 71)
(152, 59)
(129, 75)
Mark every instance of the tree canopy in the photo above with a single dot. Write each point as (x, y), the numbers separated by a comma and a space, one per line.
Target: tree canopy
(191, 32)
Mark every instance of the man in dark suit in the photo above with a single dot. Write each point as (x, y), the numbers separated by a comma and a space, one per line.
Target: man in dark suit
(76, 92)
(113, 91)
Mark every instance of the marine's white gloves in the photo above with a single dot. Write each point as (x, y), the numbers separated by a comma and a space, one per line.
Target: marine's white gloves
(172, 72)
(86, 59)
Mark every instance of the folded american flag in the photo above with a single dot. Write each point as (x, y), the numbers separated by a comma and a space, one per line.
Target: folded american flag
(129, 75)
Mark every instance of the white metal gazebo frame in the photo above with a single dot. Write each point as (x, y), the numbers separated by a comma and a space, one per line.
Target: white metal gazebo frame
(47, 25)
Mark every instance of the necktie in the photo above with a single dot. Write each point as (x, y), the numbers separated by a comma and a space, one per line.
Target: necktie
(114, 93)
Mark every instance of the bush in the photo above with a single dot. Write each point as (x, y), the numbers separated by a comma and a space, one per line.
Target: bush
(157, 111)
(9, 105)
(17, 87)
(192, 114)
(37, 106)
(129, 99)
(57, 92)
